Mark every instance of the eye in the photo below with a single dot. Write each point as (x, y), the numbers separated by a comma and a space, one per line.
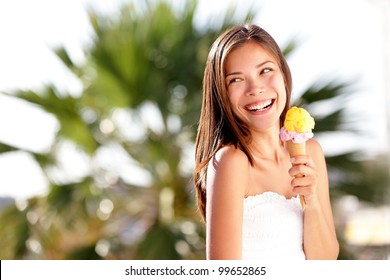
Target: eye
(265, 70)
(234, 80)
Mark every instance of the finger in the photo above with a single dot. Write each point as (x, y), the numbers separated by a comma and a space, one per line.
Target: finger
(307, 192)
(299, 190)
(302, 181)
(304, 160)
(300, 169)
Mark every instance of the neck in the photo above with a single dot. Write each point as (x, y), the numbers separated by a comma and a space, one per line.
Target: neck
(267, 145)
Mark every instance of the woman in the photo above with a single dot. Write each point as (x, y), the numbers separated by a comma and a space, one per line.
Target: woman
(247, 184)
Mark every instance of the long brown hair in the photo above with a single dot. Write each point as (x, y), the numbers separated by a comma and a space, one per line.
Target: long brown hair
(218, 124)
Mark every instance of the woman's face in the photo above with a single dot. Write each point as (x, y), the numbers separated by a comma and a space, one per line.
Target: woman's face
(255, 86)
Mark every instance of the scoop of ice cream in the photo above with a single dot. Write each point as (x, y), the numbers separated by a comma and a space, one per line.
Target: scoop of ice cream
(297, 126)
(298, 120)
(294, 136)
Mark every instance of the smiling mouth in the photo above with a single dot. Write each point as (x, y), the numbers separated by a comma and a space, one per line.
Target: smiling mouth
(260, 106)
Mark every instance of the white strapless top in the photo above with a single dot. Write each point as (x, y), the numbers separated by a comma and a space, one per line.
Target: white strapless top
(272, 227)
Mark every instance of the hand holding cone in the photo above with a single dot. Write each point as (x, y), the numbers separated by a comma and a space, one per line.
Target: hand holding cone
(295, 132)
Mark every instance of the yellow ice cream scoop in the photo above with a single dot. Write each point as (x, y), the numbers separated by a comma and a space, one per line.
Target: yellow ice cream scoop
(298, 120)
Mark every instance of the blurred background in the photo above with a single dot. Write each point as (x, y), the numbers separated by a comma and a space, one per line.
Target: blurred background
(99, 103)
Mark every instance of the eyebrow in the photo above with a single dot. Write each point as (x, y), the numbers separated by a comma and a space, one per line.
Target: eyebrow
(257, 66)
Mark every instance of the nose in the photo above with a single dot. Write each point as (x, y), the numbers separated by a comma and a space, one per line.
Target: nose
(254, 87)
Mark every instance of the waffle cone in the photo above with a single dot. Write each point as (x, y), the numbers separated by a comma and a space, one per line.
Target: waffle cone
(297, 149)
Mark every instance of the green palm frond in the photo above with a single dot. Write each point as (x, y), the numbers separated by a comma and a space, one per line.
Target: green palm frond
(369, 185)
(67, 110)
(158, 244)
(84, 253)
(290, 47)
(347, 162)
(330, 122)
(4, 148)
(14, 232)
(323, 92)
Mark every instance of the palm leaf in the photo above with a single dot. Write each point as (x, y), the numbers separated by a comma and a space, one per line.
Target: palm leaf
(85, 253)
(330, 122)
(327, 91)
(158, 244)
(14, 232)
(347, 162)
(67, 111)
(4, 148)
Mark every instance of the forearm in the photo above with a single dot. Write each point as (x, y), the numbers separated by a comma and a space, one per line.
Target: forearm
(320, 241)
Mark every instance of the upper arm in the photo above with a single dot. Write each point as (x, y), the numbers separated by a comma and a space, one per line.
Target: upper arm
(227, 178)
(315, 151)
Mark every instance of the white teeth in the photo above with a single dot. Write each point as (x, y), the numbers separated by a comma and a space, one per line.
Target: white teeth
(259, 106)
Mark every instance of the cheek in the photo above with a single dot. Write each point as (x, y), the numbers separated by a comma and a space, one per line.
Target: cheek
(282, 98)
(278, 84)
(236, 102)
(277, 81)
(234, 95)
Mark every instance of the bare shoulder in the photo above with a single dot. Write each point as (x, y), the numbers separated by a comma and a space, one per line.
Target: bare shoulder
(230, 155)
(314, 149)
(229, 167)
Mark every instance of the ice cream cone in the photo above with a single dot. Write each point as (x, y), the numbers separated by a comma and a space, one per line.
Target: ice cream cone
(297, 149)
(296, 130)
